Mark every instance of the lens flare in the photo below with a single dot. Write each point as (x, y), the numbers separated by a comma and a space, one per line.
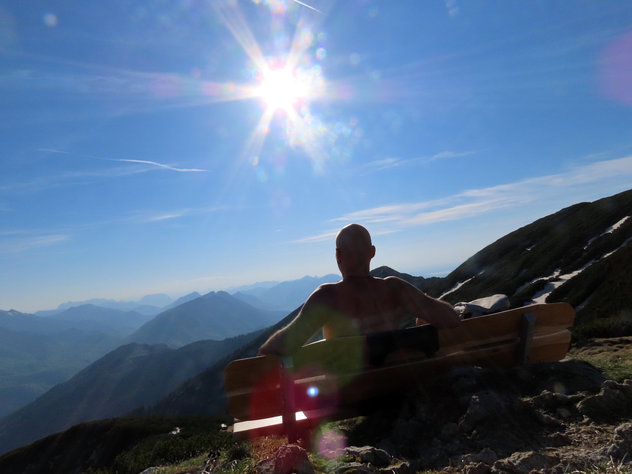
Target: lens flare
(282, 89)
(331, 443)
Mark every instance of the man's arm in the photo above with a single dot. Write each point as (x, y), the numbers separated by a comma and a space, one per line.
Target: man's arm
(424, 308)
(312, 316)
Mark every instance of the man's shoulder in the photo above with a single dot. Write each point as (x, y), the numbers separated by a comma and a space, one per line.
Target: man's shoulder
(393, 281)
(326, 290)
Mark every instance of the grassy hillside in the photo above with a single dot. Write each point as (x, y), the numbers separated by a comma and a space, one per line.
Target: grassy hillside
(123, 445)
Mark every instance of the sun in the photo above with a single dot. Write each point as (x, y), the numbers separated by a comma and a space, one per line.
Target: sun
(283, 89)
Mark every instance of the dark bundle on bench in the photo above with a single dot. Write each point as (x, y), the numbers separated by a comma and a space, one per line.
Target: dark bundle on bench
(328, 379)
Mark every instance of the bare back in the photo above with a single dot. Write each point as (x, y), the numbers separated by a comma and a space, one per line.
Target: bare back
(362, 305)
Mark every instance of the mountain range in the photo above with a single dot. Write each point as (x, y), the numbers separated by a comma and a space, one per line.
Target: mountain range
(581, 254)
(148, 305)
(39, 351)
(216, 315)
(283, 296)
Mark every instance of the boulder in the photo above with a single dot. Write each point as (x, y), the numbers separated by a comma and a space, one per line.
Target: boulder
(288, 459)
(612, 403)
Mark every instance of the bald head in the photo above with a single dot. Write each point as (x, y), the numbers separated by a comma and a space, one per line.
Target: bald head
(354, 250)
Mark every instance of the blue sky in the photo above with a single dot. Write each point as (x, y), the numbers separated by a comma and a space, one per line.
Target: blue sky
(192, 146)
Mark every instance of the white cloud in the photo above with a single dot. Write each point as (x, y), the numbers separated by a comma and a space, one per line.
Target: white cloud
(576, 183)
(25, 243)
(59, 180)
(385, 163)
(324, 237)
(176, 214)
(166, 217)
(450, 154)
(393, 162)
(162, 165)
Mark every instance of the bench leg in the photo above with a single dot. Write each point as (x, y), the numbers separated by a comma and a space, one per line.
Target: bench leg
(526, 338)
(289, 405)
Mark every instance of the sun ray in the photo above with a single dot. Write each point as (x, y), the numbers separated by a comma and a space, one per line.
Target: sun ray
(235, 22)
(257, 138)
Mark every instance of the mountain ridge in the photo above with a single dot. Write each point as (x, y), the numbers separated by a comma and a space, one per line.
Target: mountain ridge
(215, 315)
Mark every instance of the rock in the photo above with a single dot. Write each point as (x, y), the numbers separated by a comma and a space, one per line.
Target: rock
(558, 439)
(464, 378)
(563, 413)
(287, 459)
(485, 456)
(482, 406)
(546, 420)
(613, 402)
(476, 468)
(523, 463)
(360, 459)
(355, 468)
(151, 470)
(369, 454)
(403, 467)
(449, 431)
(567, 377)
(550, 401)
(621, 446)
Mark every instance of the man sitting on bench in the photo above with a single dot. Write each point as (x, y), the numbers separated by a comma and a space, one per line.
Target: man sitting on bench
(359, 304)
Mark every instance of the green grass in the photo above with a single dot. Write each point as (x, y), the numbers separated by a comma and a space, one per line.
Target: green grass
(612, 356)
(178, 452)
(614, 370)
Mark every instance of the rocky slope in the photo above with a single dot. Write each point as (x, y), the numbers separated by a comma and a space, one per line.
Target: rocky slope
(549, 418)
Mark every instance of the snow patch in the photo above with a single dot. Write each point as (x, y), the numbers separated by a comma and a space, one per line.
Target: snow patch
(541, 296)
(609, 230)
(556, 273)
(458, 285)
(627, 241)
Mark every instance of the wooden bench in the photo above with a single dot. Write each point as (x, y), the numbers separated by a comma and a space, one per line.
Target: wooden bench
(328, 379)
